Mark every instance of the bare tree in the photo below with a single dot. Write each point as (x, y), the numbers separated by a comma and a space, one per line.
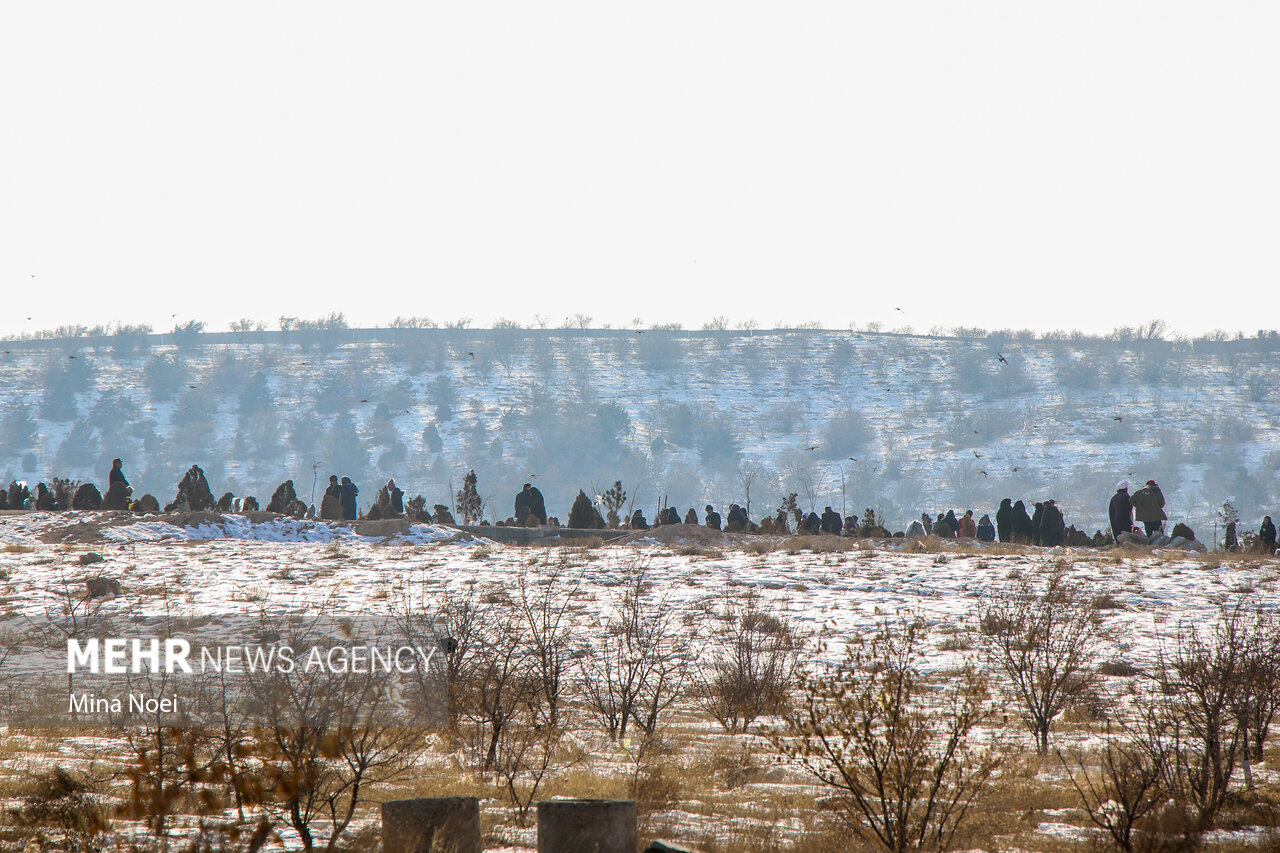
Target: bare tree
(637, 669)
(543, 605)
(1045, 643)
(891, 744)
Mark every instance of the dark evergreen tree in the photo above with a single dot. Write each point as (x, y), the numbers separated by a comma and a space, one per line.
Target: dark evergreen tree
(470, 504)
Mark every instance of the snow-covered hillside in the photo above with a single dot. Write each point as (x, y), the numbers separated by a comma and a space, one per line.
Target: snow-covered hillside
(900, 423)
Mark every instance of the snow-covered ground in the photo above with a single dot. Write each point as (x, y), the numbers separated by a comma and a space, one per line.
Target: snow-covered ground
(222, 569)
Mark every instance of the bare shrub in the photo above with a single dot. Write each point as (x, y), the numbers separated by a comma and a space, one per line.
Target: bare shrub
(543, 607)
(1125, 792)
(318, 740)
(1045, 644)
(60, 811)
(1200, 688)
(639, 667)
(1259, 699)
(892, 745)
(749, 668)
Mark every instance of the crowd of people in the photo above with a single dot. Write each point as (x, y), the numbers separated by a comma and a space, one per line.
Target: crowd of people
(1136, 517)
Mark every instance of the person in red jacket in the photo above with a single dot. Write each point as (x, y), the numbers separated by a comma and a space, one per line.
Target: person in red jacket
(967, 529)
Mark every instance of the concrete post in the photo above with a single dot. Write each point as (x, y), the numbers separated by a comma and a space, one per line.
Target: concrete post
(587, 826)
(431, 825)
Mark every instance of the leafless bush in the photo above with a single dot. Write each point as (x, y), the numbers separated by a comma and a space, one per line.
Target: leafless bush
(319, 739)
(543, 606)
(60, 811)
(1200, 687)
(892, 745)
(1045, 643)
(1124, 793)
(748, 670)
(1259, 699)
(638, 668)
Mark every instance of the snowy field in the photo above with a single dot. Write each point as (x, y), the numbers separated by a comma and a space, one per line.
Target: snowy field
(232, 566)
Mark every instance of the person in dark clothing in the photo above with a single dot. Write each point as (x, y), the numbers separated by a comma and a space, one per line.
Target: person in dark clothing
(117, 474)
(638, 522)
(1020, 529)
(397, 496)
(1120, 510)
(348, 499)
(736, 520)
(531, 509)
(691, 517)
(1148, 508)
(1004, 520)
(1036, 518)
(713, 518)
(947, 525)
(1053, 528)
(831, 522)
(927, 522)
(1267, 535)
(986, 530)
(334, 489)
(812, 524)
(537, 506)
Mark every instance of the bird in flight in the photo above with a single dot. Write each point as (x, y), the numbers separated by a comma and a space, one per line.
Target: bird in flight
(983, 473)
(1015, 469)
(1117, 418)
(977, 455)
(851, 459)
(1002, 359)
(815, 447)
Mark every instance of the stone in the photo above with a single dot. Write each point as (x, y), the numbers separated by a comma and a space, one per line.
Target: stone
(103, 587)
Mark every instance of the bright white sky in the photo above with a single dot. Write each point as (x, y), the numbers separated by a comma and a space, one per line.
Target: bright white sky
(1001, 164)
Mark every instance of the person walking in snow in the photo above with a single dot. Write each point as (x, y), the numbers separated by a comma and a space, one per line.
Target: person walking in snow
(1148, 507)
(1120, 510)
